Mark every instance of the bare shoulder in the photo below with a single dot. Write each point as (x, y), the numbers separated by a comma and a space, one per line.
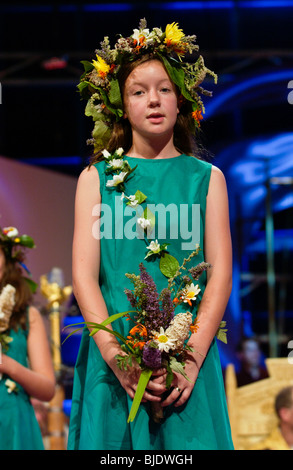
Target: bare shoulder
(89, 175)
(217, 181)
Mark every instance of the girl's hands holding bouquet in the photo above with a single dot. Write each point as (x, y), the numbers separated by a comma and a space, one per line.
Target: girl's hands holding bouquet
(182, 388)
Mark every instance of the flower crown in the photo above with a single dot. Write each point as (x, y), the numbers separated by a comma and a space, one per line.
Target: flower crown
(99, 82)
(13, 244)
(14, 247)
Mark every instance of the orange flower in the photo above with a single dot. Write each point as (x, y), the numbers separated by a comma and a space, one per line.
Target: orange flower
(139, 344)
(140, 329)
(194, 327)
(197, 115)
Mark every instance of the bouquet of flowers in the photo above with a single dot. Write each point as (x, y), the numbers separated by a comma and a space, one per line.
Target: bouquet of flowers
(159, 336)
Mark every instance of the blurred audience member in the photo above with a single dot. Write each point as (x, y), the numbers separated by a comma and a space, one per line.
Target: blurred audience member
(251, 369)
(281, 437)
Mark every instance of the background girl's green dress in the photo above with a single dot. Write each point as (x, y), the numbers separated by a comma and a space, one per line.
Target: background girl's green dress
(19, 429)
(100, 406)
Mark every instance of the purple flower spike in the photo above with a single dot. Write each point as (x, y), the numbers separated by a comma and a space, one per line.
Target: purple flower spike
(152, 357)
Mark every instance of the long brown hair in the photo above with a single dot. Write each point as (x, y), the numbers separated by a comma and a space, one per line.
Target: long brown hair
(184, 129)
(13, 275)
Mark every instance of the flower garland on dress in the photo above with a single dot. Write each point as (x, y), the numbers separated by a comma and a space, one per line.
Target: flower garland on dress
(159, 336)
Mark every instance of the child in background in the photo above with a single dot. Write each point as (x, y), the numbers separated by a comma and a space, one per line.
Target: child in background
(26, 368)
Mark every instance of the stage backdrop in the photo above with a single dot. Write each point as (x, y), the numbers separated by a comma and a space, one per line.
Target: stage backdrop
(41, 204)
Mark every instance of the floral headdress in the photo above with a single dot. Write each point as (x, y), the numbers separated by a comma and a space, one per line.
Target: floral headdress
(99, 83)
(14, 246)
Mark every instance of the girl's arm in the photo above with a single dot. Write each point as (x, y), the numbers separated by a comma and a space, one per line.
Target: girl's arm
(38, 380)
(218, 252)
(85, 277)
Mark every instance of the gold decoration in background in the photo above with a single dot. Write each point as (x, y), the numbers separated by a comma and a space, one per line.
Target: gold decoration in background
(52, 288)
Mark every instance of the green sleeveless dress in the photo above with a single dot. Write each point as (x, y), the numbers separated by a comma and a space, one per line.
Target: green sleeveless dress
(178, 188)
(19, 429)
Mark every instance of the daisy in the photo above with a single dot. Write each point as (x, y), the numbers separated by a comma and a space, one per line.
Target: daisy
(190, 292)
(164, 342)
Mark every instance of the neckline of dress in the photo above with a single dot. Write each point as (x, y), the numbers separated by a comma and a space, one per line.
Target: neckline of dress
(155, 159)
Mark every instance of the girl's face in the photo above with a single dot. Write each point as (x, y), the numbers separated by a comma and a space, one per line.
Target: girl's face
(150, 101)
(2, 264)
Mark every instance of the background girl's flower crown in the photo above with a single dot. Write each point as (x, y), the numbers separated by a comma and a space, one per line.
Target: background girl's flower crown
(99, 83)
(14, 246)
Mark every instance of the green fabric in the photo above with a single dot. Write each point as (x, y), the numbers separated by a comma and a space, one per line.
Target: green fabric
(100, 406)
(19, 429)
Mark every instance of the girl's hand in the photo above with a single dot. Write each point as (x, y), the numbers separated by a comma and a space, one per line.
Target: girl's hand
(129, 378)
(183, 387)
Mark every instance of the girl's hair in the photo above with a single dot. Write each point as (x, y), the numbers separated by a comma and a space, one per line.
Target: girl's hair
(13, 276)
(184, 129)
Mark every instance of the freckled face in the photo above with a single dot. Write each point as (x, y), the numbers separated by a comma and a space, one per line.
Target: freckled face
(150, 99)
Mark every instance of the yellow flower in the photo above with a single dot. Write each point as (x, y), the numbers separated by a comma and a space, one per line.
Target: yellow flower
(173, 34)
(101, 67)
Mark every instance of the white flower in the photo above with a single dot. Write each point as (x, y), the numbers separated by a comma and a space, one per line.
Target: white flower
(117, 179)
(11, 386)
(120, 152)
(144, 223)
(140, 34)
(155, 247)
(132, 201)
(7, 302)
(11, 232)
(179, 328)
(106, 154)
(116, 163)
(163, 341)
(190, 292)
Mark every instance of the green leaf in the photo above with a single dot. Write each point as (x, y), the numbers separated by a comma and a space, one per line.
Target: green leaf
(169, 265)
(101, 132)
(32, 284)
(177, 75)
(88, 66)
(178, 367)
(27, 241)
(169, 377)
(115, 94)
(141, 386)
(140, 197)
(222, 332)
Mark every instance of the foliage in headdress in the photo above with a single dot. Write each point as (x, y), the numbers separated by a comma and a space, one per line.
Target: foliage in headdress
(100, 86)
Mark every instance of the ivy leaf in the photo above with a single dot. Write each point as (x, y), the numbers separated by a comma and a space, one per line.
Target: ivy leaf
(169, 265)
(178, 367)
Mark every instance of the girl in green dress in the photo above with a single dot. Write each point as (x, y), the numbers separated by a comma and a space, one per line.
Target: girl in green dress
(141, 102)
(25, 363)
